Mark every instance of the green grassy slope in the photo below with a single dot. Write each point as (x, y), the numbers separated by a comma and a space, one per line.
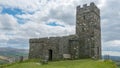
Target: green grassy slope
(86, 63)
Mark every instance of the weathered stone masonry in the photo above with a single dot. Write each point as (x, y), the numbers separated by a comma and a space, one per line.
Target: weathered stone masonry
(85, 43)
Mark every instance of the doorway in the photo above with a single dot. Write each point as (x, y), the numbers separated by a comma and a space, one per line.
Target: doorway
(50, 55)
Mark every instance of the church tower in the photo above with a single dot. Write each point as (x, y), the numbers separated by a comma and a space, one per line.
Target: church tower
(89, 31)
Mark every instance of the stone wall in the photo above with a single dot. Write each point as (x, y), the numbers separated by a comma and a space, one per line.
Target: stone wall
(39, 48)
(88, 29)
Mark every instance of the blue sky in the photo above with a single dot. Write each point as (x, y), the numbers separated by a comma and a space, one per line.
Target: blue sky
(24, 19)
(12, 11)
(54, 24)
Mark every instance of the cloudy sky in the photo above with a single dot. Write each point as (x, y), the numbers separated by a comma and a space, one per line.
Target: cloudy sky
(24, 19)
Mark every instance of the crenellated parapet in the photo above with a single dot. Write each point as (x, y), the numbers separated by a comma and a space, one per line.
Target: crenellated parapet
(87, 8)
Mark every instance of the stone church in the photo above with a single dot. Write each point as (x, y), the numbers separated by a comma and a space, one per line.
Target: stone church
(86, 43)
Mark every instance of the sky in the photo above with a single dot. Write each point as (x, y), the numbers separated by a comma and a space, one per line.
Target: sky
(21, 20)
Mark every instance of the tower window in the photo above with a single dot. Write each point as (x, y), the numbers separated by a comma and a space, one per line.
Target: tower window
(83, 17)
(83, 29)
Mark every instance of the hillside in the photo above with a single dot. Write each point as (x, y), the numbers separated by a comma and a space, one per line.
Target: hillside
(12, 52)
(7, 53)
(86, 63)
(3, 57)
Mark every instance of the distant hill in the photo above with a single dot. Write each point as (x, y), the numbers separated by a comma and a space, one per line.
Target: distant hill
(7, 53)
(114, 58)
(13, 52)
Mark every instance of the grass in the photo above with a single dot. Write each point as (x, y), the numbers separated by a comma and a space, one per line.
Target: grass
(84, 63)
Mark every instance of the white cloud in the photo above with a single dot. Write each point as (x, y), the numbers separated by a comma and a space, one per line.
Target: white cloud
(3, 37)
(111, 53)
(113, 43)
(8, 22)
(102, 3)
(0, 9)
(44, 30)
(26, 5)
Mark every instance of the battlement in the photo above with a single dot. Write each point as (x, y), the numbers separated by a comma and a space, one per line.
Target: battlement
(42, 40)
(38, 40)
(46, 39)
(87, 8)
(85, 5)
